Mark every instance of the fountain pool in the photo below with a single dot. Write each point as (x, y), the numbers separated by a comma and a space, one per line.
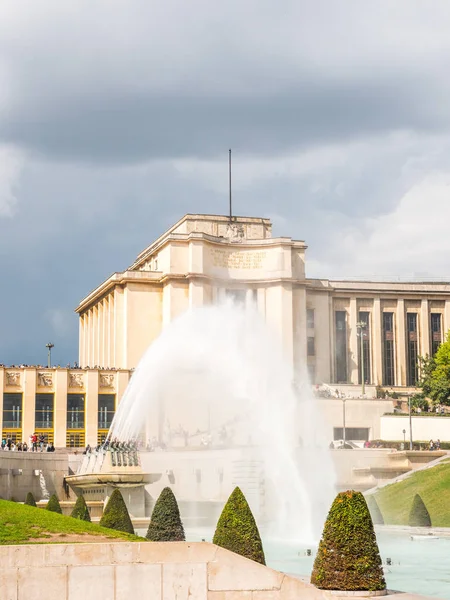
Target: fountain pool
(419, 567)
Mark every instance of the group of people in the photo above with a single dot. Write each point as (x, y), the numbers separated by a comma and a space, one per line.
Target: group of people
(435, 445)
(35, 443)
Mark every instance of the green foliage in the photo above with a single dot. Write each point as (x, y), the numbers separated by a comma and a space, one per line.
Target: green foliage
(53, 505)
(419, 515)
(80, 510)
(22, 524)
(348, 557)
(30, 501)
(374, 509)
(116, 516)
(237, 530)
(435, 374)
(419, 401)
(165, 524)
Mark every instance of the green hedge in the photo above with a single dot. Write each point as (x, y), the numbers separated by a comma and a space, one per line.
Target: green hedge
(80, 510)
(419, 515)
(237, 530)
(53, 505)
(30, 501)
(348, 557)
(116, 516)
(165, 524)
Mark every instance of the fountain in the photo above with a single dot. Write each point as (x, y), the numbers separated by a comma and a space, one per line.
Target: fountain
(216, 381)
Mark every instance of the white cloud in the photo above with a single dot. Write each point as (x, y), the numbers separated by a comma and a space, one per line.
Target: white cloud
(11, 164)
(413, 241)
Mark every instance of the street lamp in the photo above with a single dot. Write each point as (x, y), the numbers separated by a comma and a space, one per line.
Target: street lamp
(410, 424)
(343, 421)
(49, 347)
(361, 333)
(404, 436)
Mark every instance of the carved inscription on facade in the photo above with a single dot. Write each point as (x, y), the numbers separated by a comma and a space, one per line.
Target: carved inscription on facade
(45, 379)
(238, 260)
(12, 378)
(106, 380)
(75, 380)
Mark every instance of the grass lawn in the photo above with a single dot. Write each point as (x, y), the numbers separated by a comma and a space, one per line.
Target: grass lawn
(22, 524)
(433, 485)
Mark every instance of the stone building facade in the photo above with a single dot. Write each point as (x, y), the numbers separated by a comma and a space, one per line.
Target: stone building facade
(340, 331)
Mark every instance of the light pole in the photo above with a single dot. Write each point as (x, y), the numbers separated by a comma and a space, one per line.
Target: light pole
(49, 347)
(410, 424)
(360, 327)
(343, 421)
(404, 436)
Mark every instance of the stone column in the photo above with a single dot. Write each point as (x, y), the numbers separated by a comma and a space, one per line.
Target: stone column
(353, 342)
(332, 339)
(424, 329)
(446, 319)
(29, 402)
(377, 343)
(400, 343)
(300, 334)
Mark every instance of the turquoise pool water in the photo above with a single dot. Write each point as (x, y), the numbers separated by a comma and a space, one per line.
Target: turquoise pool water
(420, 567)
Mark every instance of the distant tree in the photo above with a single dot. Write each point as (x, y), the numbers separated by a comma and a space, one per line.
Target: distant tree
(237, 530)
(80, 510)
(348, 557)
(435, 374)
(419, 401)
(419, 515)
(30, 500)
(116, 516)
(53, 505)
(374, 509)
(165, 524)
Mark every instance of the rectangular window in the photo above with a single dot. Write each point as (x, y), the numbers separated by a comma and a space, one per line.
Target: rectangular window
(352, 434)
(436, 332)
(310, 318)
(75, 411)
(311, 346)
(341, 346)
(412, 347)
(364, 347)
(388, 349)
(44, 411)
(12, 411)
(106, 409)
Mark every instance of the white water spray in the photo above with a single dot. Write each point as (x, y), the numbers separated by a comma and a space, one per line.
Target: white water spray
(216, 375)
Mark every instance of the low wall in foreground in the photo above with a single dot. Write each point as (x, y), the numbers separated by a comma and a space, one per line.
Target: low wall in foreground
(149, 571)
(157, 571)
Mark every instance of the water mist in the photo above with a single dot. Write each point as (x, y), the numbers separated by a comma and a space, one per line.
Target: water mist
(217, 376)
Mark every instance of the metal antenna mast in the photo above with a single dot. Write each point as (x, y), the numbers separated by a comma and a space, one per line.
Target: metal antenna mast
(229, 182)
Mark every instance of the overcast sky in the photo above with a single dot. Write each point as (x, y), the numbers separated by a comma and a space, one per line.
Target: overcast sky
(116, 117)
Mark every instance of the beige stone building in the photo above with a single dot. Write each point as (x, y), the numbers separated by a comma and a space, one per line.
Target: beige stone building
(342, 331)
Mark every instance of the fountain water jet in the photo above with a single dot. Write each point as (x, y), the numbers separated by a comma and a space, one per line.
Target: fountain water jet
(216, 376)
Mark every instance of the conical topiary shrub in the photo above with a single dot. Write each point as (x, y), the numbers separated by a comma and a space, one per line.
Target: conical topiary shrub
(165, 524)
(53, 505)
(30, 501)
(115, 515)
(374, 509)
(419, 515)
(237, 530)
(348, 558)
(80, 510)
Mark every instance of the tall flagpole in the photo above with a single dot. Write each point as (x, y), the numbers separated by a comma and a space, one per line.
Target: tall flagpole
(229, 181)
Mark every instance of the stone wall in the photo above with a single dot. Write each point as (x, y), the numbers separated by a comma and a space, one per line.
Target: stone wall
(157, 571)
